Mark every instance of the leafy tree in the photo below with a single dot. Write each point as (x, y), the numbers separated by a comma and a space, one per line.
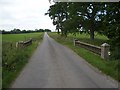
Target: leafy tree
(111, 24)
(57, 13)
(90, 17)
(47, 30)
(70, 17)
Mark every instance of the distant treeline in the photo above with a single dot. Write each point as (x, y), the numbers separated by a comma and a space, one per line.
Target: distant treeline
(18, 31)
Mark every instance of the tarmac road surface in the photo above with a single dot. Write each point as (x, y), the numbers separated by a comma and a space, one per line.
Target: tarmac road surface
(55, 66)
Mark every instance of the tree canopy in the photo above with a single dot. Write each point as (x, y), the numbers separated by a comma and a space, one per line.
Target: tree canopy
(90, 17)
(18, 31)
(71, 17)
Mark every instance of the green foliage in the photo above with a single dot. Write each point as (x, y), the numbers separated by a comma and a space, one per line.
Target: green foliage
(58, 13)
(111, 23)
(70, 17)
(18, 31)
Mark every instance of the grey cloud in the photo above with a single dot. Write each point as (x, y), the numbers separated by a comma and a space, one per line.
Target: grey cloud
(4, 15)
(6, 26)
(19, 14)
(5, 2)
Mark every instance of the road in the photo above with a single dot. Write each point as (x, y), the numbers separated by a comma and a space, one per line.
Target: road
(55, 66)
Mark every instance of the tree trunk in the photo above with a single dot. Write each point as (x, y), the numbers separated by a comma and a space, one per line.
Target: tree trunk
(65, 33)
(58, 31)
(92, 29)
(62, 34)
(92, 35)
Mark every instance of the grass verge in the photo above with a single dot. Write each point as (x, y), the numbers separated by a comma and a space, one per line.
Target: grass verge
(85, 37)
(14, 59)
(108, 67)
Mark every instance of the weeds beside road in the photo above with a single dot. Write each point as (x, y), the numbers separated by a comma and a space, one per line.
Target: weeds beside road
(14, 59)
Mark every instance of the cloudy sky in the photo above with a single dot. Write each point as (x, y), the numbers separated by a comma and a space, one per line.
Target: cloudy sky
(25, 14)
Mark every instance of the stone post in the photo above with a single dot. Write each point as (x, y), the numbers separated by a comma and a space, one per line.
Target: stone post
(16, 44)
(105, 51)
(74, 42)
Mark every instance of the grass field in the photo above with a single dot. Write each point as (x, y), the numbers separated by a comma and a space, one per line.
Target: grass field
(19, 37)
(108, 67)
(99, 39)
(14, 59)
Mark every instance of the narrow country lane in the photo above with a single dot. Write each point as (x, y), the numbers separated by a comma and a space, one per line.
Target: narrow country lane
(55, 66)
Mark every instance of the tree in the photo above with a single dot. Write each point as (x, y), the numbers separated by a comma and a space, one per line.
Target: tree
(103, 18)
(57, 13)
(47, 30)
(70, 17)
(16, 31)
(111, 24)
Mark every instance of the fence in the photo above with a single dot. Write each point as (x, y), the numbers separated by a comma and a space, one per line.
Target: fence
(23, 44)
(103, 51)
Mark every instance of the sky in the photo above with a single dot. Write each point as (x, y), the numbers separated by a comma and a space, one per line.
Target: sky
(25, 14)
